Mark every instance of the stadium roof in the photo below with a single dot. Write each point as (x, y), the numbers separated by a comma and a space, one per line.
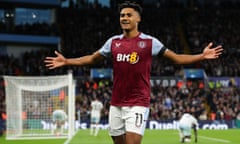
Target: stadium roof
(30, 3)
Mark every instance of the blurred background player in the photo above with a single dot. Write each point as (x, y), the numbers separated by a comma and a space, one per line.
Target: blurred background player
(96, 108)
(186, 123)
(59, 118)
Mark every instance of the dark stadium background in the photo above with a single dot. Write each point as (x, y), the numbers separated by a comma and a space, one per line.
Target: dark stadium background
(30, 30)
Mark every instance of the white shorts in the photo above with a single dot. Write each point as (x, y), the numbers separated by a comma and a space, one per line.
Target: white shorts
(59, 116)
(185, 129)
(127, 119)
(95, 120)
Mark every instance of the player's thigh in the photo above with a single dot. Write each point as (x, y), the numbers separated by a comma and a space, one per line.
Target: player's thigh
(133, 138)
(121, 139)
(136, 119)
(116, 123)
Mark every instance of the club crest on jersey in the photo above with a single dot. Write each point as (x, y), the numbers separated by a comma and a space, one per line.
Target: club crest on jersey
(142, 44)
(132, 58)
(117, 45)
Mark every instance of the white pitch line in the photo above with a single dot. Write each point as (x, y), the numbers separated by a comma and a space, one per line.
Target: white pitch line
(69, 139)
(215, 139)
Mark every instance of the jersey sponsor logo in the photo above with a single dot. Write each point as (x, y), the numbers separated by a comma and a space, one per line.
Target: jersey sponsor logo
(132, 58)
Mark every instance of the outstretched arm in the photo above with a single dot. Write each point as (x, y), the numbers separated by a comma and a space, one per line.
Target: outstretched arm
(208, 53)
(60, 60)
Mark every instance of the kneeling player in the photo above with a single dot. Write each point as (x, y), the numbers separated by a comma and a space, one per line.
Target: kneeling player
(186, 123)
(59, 118)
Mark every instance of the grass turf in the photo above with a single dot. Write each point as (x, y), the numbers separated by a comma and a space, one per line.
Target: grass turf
(230, 136)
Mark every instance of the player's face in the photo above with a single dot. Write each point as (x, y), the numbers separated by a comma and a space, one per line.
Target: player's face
(129, 19)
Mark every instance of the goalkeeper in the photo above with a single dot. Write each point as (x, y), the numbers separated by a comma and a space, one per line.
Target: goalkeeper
(59, 118)
(186, 123)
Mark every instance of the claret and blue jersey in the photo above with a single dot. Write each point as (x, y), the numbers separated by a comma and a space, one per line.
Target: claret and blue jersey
(132, 59)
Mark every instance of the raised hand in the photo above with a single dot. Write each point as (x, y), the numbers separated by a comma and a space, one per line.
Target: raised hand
(212, 53)
(54, 62)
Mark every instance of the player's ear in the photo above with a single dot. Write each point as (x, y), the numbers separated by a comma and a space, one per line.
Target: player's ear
(139, 18)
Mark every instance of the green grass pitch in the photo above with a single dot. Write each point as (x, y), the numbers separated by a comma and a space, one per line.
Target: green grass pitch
(231, 136)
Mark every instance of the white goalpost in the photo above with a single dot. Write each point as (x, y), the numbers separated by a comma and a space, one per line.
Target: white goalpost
(31, 101)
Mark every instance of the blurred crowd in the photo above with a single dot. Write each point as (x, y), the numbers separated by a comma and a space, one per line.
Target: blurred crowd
(181, 29)
(169, 102)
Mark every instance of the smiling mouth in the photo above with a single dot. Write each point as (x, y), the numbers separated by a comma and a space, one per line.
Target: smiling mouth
(125, 22)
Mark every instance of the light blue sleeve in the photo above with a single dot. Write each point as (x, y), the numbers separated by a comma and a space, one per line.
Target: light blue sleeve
(105, 50)
(157, 47)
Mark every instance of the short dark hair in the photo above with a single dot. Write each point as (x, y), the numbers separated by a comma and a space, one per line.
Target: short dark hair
(129, 4)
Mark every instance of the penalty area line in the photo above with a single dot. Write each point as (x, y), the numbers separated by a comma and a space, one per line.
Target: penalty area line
(214, 139)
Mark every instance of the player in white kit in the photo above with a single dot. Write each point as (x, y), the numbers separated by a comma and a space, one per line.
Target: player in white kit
(96, 108)
(59, 118)
(186, 123)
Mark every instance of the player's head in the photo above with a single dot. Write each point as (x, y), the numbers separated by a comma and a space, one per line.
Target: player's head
(130, 15)
(133, 5)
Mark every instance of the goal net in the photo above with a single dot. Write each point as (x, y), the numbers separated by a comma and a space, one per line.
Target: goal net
(30, 103)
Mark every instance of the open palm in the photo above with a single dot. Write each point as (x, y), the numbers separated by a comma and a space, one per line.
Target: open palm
(212, 53)
(54, 62)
